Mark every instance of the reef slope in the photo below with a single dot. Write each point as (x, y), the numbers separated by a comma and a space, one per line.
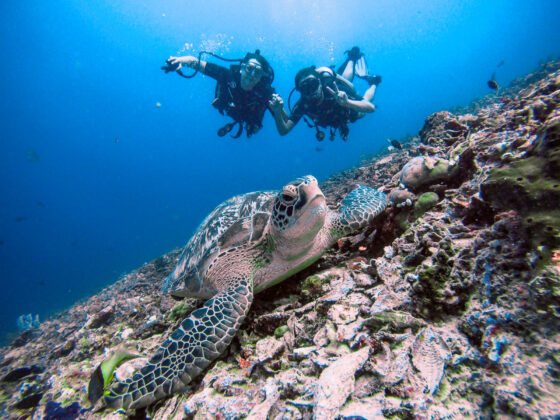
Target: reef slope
(447, 307)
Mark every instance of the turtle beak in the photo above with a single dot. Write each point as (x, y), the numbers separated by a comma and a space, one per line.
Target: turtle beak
(316, 197)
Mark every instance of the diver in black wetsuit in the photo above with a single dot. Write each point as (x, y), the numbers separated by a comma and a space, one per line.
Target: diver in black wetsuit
(243, 91)
(328, 98)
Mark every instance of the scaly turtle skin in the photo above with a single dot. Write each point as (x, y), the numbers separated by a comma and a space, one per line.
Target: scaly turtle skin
(245, 245)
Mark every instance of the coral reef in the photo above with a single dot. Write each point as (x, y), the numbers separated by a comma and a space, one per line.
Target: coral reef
(447, 306)
(28, 322)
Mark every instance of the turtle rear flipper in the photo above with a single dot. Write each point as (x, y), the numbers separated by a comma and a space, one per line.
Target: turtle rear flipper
(201, 338)
(358, 209)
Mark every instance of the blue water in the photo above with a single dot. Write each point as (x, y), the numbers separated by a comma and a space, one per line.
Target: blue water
(78, 208)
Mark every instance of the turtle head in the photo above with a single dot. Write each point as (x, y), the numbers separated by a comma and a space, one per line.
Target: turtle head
(299, 211)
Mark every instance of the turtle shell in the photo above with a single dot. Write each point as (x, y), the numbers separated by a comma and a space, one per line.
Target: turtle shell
(236, 222)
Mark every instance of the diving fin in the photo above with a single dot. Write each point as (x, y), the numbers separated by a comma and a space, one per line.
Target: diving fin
(342, 67)
(359, 60)
(354, 54)
(360, 67)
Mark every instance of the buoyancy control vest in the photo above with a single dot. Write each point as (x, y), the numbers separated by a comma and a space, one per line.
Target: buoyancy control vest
(246, 108)
(329, 114)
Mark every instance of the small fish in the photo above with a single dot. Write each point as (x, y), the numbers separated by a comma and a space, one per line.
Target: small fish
(1, 242)
(40, 204)
(41, 283)
(103, 373)
(158, 104)
(319, 149)
(492, 84)
(19, 219)
(74, 243)
(116, 139)
(396, 144)
(31, 155)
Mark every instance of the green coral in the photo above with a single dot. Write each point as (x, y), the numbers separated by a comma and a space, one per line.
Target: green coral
(443, 391)
(458, 151)
(432, 280)
(396, 321)
(401, 220)
(529, 178)
(311, 286)
(84, 344)
(4, 396)
(530, 186)
(543, 228)
(180, 310)
(441, 170)
(545, 289)
(280, 331)
(425, 202)
(556, 357)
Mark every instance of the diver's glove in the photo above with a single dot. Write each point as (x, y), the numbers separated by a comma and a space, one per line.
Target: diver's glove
(169, 67)
(176, 64)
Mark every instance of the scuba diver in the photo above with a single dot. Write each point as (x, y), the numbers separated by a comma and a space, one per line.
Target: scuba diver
(242, 92)
(328, 98)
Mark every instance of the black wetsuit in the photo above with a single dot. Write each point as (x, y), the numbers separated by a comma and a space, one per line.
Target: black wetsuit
(328, 112)
(245, 107)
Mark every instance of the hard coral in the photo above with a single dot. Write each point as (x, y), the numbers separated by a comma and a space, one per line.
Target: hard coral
(423, 170)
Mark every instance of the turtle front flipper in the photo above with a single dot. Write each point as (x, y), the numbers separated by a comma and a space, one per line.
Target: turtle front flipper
(192, 347)
(358, 210)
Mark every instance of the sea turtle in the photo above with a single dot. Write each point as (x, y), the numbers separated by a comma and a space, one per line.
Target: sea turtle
(245, 245)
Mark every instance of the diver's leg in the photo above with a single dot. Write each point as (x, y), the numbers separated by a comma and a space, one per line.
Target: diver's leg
(368, 96)
(348, 72)
(370, 93)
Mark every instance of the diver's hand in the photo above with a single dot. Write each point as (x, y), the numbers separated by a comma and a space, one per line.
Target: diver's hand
(340, 96)
(187, 60)
(276, 104)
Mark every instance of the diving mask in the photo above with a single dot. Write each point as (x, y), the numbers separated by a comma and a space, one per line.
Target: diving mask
(252, 68)
(310, 86)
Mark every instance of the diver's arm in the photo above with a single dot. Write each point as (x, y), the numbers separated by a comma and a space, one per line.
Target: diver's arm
(283, 123)
(360, 106)
(344, 101)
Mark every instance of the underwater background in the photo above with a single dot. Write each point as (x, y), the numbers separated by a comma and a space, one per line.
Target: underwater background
(106, 162)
